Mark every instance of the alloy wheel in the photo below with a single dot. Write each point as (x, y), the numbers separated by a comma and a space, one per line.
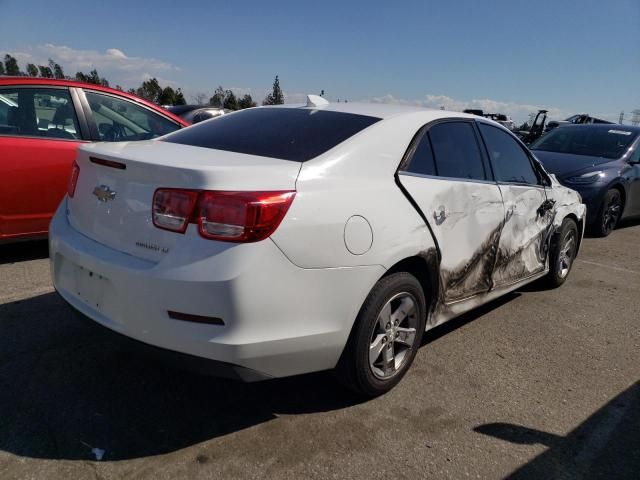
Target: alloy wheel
(393, 336)
(611, 213)
(567, 253)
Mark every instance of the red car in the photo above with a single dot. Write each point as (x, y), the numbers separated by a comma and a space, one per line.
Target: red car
(42, 121)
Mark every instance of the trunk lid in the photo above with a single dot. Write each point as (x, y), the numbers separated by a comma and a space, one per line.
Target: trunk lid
(113, 205)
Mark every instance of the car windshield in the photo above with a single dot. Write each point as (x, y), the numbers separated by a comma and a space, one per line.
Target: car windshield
(297, 134)
(595, 142)
(573, 119)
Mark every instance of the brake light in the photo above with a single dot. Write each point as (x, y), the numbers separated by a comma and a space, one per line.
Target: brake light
(73, 180)
(221, 215)
(241, 216)
(172, 208)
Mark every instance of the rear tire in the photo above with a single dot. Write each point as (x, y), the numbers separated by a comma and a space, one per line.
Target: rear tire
(385, 337)
(608, 214)
(562, 254)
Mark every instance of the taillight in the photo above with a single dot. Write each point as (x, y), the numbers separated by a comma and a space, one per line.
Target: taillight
(73, 180)
(225, 216)
(172, 208)
(241, 216)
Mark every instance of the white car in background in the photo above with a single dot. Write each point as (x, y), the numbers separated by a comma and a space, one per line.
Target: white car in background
(291, 239)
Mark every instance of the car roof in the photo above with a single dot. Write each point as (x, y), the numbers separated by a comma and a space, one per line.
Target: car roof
(379, 110)
(604, 126)
(54, 82)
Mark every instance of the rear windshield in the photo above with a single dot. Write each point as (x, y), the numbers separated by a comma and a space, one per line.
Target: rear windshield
(297, 134)
(586, 140)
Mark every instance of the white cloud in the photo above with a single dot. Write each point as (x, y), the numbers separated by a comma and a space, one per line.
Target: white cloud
(113, 63)
(518, 111)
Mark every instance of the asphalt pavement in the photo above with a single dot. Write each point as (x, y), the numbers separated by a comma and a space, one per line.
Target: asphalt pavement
(537, 385)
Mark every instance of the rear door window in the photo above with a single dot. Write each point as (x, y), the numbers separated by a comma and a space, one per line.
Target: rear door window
(119, 120)
(422, 161)
(38, 112)
(297, 134)
(456, 152)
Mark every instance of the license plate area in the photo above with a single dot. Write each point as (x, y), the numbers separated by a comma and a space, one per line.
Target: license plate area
(90, 287)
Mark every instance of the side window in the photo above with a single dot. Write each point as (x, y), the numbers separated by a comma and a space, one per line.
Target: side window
(510, 161)
(38, 112)
(422, 161)
(456, 152)
(122, 120)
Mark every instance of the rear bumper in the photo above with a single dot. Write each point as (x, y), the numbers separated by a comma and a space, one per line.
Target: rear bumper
(279, 319)
(183, 360)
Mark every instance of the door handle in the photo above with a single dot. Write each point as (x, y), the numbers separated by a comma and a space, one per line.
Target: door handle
(440, 216)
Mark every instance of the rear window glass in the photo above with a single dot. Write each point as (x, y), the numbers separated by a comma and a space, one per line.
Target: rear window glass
(297, 134)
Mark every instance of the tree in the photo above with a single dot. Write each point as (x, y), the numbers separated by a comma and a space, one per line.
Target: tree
(179, 98)
(56, 69)
(217, 100)
(524, 126)
(150, 90)
(92, 77)
(167, 96)
(32, 70)
(276, 97)
(246, 102)
(230, 101)
(1, 68)
(11, 65)
(45, 72)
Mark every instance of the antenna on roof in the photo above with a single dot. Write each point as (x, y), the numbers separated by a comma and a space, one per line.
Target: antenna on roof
(316, 101)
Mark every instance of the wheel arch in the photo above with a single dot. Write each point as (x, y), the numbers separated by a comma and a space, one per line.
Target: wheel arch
(617, 185)
(425, 267)
(581, 224)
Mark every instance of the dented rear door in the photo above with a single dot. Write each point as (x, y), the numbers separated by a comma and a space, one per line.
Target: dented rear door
(449, 180)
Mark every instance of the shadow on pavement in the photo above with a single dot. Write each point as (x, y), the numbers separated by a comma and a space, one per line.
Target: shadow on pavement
(606, 445)
(68, 385)
(627, 223)
(22, 251)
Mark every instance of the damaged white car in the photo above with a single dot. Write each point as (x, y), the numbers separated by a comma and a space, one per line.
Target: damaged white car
(282, 240)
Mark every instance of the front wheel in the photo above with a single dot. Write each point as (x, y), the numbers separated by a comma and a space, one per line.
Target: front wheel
(562, 254)
(386, 336)
(609, 214)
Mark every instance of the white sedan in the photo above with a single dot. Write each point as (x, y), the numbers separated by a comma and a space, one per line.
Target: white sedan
(282, 240)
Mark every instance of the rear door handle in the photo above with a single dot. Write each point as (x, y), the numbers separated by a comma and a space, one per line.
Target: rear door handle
(440, 216)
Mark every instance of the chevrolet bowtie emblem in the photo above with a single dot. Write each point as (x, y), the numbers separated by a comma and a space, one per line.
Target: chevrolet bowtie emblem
(104, 193)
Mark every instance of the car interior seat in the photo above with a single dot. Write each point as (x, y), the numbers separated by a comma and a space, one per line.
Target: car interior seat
(61, 118)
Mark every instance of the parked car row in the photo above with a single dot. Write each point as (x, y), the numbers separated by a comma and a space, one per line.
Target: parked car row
(281, 240)
(196, 113)
(602, 163)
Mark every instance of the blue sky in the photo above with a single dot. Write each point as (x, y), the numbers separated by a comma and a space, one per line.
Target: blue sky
(504, 55)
